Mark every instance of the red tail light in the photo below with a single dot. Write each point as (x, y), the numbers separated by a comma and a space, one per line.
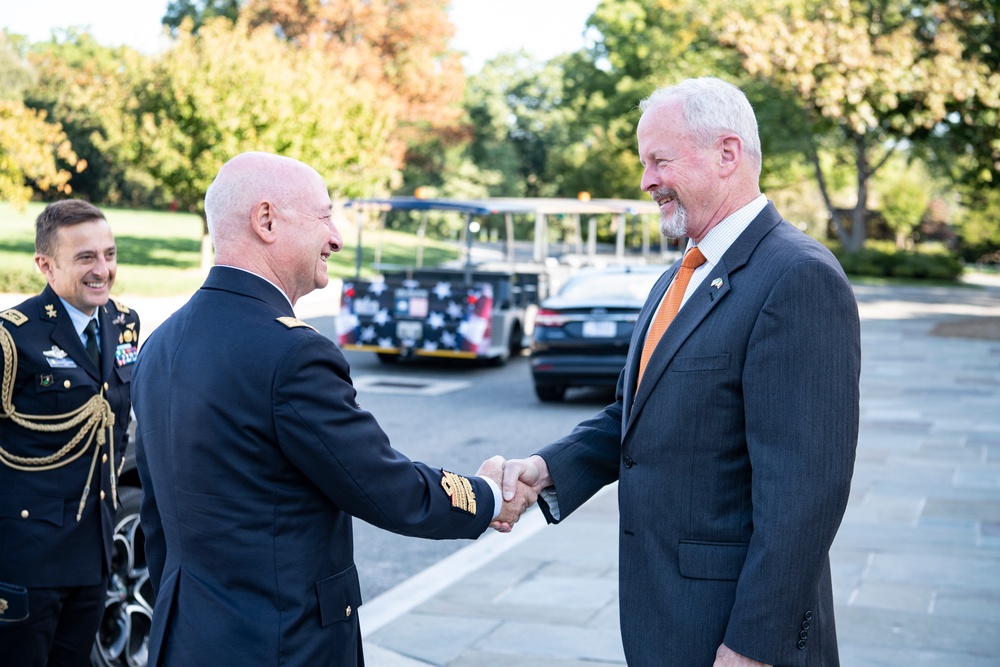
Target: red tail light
(549, 318)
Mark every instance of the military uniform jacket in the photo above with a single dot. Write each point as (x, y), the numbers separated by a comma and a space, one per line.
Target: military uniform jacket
(733, 459)
(254, 456)
(44, 545)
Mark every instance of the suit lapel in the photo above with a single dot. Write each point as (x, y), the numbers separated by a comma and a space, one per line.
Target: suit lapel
(108, 341)
(63, 335)
(712, 290)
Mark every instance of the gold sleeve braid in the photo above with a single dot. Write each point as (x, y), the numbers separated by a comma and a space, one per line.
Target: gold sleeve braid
(95, 418)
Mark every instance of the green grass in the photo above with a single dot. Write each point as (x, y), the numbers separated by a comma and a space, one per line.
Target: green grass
(159, 252)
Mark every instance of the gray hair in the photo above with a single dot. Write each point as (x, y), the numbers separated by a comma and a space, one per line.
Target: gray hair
(712, 106)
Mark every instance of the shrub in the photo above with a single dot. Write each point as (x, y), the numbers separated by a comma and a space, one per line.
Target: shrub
(881, 259)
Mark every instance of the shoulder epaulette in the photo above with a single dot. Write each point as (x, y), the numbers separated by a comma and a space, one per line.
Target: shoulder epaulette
(122, 308)
(14, 316)
(291, 323)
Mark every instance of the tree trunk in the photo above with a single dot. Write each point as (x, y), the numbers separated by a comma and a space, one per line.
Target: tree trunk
(859, 222)
(831, 209)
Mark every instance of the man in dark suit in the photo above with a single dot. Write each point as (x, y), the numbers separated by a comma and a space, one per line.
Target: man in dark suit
(254, 453)
(733, 436)
(67, 361)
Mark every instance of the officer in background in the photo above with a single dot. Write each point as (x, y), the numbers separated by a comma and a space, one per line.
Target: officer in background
(67, 358)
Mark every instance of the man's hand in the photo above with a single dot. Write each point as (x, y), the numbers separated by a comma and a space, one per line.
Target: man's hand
(726, 657)
(531, 473)
(515, 503)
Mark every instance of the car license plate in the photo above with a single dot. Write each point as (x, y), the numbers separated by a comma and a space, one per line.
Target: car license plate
(409, 330)
(599, 329)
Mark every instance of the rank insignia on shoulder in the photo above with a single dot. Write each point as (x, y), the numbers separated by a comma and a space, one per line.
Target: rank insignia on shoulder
(14, 316)
(122, 308)
(459, 489)
(291, 323)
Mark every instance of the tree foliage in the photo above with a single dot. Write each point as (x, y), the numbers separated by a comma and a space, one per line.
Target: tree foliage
(89, 88)
(872, 72)
(398, 47)
(31, 147)
(199, 11)
(229, 89)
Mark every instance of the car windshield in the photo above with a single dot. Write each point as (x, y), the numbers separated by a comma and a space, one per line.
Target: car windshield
(599, 285)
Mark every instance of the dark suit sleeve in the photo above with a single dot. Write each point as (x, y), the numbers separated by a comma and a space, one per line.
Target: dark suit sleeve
(149, 516)
(586, 460)
(344, 451)
(801, 397)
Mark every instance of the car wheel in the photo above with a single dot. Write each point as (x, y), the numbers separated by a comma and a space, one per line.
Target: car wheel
(123, 637)
(550, 393)
(387, 358)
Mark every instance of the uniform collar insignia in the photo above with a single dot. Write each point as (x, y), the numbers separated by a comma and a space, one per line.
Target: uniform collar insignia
(50, 310)
(119, 320)
(55, 353)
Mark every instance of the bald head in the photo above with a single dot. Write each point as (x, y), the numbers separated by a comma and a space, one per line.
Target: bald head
(244, 182)
(271, 215)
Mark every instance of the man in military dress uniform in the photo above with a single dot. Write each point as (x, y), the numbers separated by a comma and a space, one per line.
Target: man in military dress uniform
(254, 454)
(67, 360)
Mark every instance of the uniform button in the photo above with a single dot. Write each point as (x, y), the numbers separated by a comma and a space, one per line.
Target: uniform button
(348, 610)
(104, 459)
(102, 495)
(105, 386)
(801, 644)
(629, 462)
(803, 634)
(67, 384)
(24, 514)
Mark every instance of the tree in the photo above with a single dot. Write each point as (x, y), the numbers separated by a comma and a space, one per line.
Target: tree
(90, 89)
(398, 47)
(199, 11)
(872, 73)
(230, 89)
(30, 146)
(904, 192)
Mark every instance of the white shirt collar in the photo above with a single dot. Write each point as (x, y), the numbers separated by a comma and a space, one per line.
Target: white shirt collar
(717, 241)
(79, 318)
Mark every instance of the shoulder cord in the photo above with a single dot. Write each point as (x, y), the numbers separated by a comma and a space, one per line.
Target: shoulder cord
(95, 415)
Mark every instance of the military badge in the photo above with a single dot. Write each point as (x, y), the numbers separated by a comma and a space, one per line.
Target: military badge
(58, 358)
(45, 380)
(125, 354)
(122, 308)
(15, 317)
(50, 310)
(459, 489)
(291, 323)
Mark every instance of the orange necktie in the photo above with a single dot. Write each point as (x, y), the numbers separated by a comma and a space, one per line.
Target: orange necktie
(669, 306)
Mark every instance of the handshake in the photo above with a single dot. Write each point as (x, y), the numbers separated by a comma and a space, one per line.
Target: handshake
(520, 481)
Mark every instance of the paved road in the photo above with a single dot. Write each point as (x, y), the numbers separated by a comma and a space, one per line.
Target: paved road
(916, 562)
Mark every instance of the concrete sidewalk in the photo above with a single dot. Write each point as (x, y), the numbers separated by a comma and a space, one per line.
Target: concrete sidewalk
(916, 564)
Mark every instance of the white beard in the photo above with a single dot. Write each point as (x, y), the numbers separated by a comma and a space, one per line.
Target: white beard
(675, 226)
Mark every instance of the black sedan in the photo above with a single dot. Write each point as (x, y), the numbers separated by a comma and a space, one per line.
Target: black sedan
(582, 333)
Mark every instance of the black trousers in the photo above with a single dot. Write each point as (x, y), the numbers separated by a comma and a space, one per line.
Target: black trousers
(60, 628)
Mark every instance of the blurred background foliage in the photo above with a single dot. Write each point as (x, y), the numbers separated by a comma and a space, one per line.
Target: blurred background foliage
(880, 119)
